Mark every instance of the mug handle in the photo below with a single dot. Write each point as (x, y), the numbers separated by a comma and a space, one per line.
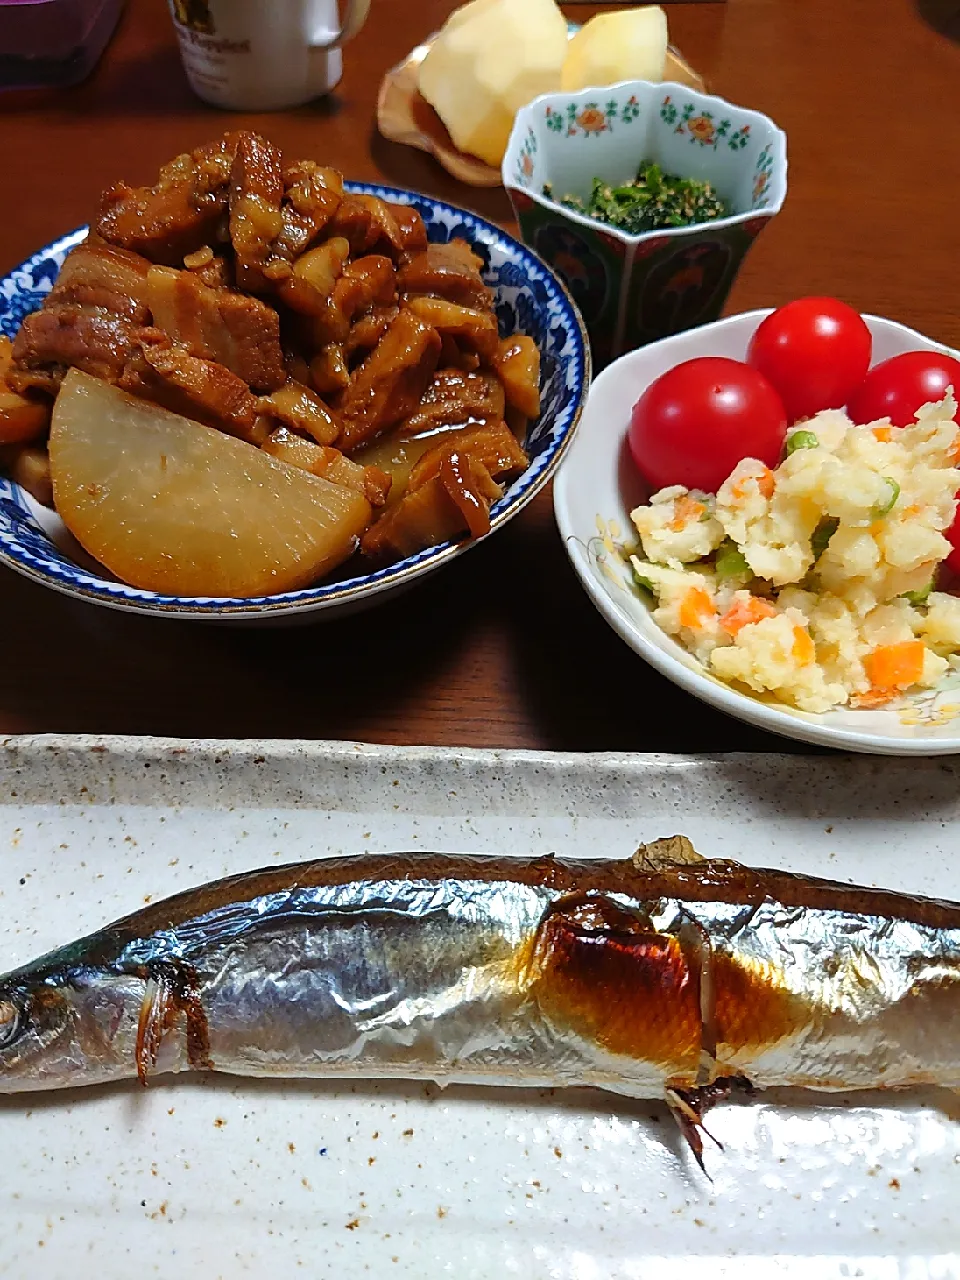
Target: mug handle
(355, 17)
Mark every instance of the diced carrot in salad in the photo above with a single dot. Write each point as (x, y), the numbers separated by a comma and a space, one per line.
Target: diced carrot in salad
(685, 511)
(883, 434)
(742, 613)
(895, 666)
(766, 483)
(696, 609)
(872, 699)
(804, 650)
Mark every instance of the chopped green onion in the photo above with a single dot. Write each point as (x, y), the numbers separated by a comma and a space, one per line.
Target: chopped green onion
(918, 597)
(730, 562)
(886, 505)
(801, 440)
(822, 534)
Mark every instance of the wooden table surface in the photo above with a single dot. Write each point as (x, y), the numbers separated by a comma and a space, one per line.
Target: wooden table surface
(502, 648)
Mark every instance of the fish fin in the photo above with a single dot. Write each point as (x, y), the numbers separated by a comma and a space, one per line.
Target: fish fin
(671, 851)
(153, 1021)
(689, 1106)
(685, 1108)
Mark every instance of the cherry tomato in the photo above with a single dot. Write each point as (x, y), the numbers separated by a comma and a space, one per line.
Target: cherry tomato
(698, 420)
(953, 534)
(898, 387)
(815, 351)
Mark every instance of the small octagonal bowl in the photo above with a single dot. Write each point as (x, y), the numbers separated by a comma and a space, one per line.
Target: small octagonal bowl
(636, 289)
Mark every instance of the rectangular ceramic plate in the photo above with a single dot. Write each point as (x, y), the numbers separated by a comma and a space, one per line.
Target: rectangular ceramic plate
(219, 1178)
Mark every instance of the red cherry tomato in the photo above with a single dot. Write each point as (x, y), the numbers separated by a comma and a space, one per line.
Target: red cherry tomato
(815, 352)
(698, 420)
(898, 387)
(953, 534)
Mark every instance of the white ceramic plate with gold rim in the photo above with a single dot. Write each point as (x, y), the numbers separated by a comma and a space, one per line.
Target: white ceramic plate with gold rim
(595, 489)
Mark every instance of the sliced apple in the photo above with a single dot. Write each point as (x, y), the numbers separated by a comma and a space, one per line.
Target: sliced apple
(628, 44)
(489, 59)
(175, 507)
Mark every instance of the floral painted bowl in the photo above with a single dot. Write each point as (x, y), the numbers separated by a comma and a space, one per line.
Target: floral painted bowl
(636, 289)
(596, 488)
(528, 298)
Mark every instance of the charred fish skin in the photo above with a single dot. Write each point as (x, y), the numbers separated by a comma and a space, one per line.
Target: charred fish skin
(647, 976)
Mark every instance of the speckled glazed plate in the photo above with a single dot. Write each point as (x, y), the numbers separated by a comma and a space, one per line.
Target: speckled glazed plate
(596, 489)
(227, 1178)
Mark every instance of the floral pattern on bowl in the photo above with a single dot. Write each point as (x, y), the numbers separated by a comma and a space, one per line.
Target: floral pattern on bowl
(702, 126)
(528, 298)
(596, 488)
(592, 118)
(664, 281)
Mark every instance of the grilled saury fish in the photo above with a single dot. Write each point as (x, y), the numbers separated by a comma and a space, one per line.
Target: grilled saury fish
(663, 975)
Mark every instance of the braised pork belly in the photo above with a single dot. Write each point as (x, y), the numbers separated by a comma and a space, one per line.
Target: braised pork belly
(237, 330)
(255, 296)
(387, 387)
(450, 271)
(456, 398)
(194, 387)
(181, 213)
(256, 191)
(66, 335)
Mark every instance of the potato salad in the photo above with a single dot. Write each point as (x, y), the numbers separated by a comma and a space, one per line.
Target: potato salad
(813, 582)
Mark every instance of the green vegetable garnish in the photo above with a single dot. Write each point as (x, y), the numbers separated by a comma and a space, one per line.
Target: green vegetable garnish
(822, 534)
(651, 201)
(918, 597)
(886, 505)
(801, 440)
(730, 562)
(640, 581)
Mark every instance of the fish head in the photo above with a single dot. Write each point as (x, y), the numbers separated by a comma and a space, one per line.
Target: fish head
(34, 1026)
(71, 1030)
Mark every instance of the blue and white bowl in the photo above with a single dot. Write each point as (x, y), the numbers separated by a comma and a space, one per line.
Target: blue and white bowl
(529, 299)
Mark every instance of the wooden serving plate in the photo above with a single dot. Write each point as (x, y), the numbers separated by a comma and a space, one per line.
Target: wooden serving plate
(403, 115)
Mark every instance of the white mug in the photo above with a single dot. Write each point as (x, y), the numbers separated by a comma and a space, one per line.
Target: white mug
(263, 55)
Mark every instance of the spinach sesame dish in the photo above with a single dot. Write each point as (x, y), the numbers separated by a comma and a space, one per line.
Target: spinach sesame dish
(649, 202)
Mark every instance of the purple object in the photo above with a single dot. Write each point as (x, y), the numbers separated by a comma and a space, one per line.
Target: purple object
(53, 42)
